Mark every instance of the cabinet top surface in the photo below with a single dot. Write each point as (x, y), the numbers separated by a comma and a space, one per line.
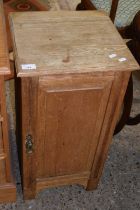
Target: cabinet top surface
(67, 42)
(4, 60)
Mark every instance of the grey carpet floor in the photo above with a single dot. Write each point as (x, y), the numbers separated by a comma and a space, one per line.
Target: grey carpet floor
(119, 187)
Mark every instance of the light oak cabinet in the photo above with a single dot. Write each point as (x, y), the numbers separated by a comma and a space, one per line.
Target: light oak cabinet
(70, 93)
(7, 187)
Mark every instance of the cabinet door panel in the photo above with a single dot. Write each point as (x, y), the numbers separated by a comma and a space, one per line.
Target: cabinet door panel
(69, 122)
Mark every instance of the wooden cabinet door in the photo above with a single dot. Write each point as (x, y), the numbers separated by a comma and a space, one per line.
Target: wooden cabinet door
(69, 119)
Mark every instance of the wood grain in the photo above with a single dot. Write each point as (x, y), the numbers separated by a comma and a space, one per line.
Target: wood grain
(72, 45)
(6, 178)
(28, 116)
(110, 120)
(7, 193)
(4, 57)
(68, 127)
(81, 178)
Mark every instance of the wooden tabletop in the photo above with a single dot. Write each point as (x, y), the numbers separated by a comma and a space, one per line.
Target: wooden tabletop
(4, 57)
(65, 42)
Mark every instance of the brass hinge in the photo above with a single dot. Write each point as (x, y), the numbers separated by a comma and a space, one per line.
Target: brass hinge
(29, 144)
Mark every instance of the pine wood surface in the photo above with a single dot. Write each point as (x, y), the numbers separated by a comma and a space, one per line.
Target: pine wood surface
(72, 42)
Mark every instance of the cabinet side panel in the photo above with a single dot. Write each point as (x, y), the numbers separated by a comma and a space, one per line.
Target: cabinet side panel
(111, 117)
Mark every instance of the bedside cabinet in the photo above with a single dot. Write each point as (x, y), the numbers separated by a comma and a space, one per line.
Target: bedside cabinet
(7, 187)
(73, 69)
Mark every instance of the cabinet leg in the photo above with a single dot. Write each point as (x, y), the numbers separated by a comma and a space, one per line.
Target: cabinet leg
(28, 194)
(92, 184)
(127, 103)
